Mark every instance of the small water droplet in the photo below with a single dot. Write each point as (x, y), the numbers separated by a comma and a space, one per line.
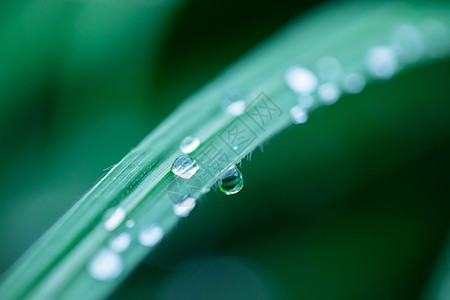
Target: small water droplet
(234, 108)
(382, 62)
(114, 218)
(189, 144)
(120, 242)
(298, 115)
(150, 235)
(105, 265)
(353, 83)
(184, 208)
(407, 43)
(329, 93)
(130, 223)
(301, 80)
(306, 101)
(437, 38)
(328, 68)
(184, 166)
(231, 181)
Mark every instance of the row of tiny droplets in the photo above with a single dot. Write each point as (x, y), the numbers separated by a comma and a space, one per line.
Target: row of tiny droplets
(407, 45)
(381, 62)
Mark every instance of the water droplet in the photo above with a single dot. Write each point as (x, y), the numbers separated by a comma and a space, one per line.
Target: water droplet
(353, 83)
(150, 235)
(185, 167)
(189, 144)
(105, 265)
(437, 38)
(130, 223)
(114, 217)
(407, 43)
(120, 242)
(305, 101)
(301, 80)
(329, 93)
(231, 181)
(184, 208)
(381, 62)
(328, 68)
(235, 108)
(298, 115)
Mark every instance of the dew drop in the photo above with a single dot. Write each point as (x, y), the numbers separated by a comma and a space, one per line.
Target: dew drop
(353, 83)
(407, 43)
(150, 235)
(105, 265)
(114, 218)
(184, 208)
(130, 223)
(382, 62)
(437, 38)
(120, 242)
(329, 93)
(328, 68)
(231, 181)
(235, 108)
(184, 166)
(189, 144)
(301, 80)
(298, 115)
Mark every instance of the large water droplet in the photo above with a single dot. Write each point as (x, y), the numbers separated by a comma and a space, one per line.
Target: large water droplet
(184, 167)
(105, 265)
(381, 62)
(189, 144)
(353, 83)
(298, 115)
(114, 218)
(120, 242)
(184, 207)
(329, 93)
(301, 80)
(150, 235)
(231, 181)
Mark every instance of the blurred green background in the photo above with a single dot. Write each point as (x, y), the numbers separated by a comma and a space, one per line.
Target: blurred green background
(352, 205)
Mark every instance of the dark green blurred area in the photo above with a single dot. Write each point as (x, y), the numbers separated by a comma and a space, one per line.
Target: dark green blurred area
(352, 205)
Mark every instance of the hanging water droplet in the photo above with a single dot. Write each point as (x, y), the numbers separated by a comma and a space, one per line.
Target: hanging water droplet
(114, 217)
(150, 235)
(353, 83)
(189, 144)
(184, 207)
(120, 242)
(301, 80)
(329, 93)
(185, 167)
(328, 68)
(105, 265)
(130, 223)
(298, 115)
(231, 181)
(381, 62)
